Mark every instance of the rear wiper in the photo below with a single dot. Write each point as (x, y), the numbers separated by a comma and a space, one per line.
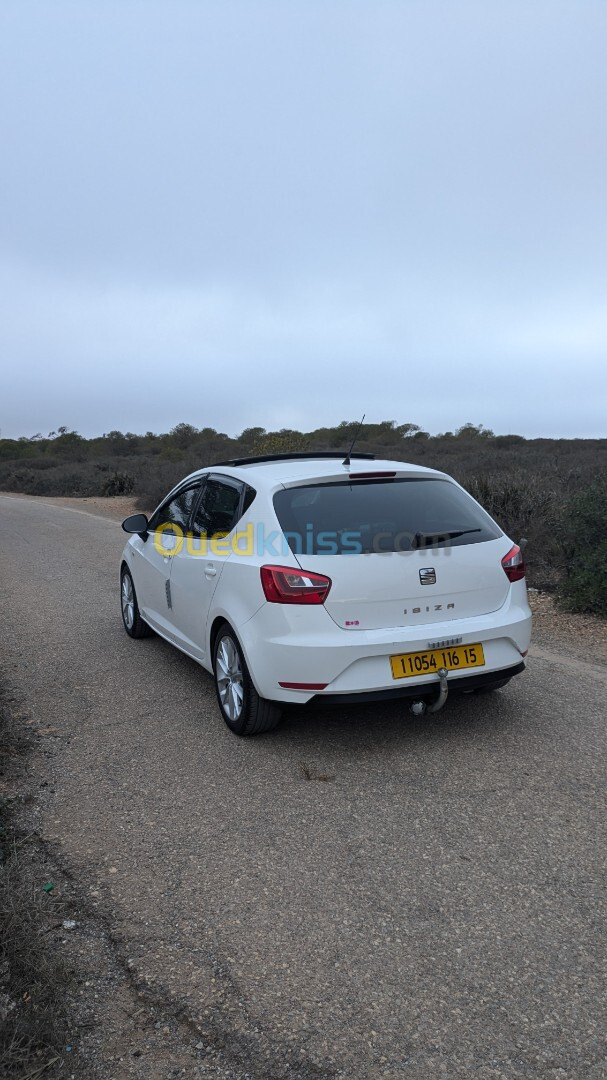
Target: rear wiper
(421, 539)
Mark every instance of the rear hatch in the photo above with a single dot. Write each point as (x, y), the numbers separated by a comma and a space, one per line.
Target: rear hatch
(399, 550)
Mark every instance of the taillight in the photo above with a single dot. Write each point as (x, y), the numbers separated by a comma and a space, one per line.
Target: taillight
(286, 585)
(370, 475)
(514, 564)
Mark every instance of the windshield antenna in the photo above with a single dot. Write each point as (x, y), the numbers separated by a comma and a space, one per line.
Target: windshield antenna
(346, 460)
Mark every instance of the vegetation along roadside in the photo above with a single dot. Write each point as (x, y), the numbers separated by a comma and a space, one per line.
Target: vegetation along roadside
(553, 492)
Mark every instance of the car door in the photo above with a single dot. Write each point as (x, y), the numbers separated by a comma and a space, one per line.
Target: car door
(197, 566)
(153, 557)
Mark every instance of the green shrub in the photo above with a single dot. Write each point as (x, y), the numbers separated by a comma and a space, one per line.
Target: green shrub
(584, 587)
(119, 483)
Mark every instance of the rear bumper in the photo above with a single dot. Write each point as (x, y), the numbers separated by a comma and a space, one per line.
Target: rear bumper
(457, 684)
(288, 643)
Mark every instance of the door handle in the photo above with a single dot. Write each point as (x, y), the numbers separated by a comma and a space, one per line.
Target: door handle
(210, 571)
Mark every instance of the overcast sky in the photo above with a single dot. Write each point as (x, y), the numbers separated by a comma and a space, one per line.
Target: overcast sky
(288, 213)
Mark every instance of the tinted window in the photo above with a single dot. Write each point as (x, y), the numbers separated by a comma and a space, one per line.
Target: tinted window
(178, 510)
(249, 496)
(217, 511)
(376, 516)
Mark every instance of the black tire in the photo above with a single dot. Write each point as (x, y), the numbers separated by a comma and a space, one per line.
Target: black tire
(243, 710)
(488, 688)
(131, 616)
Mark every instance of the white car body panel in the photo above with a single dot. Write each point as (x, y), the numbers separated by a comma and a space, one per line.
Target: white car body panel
(151, 571)
(370, 592)
(193, 581)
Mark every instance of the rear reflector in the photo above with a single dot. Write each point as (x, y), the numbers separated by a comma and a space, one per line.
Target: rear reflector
(514, 564)
(288, 585)
(303, 685)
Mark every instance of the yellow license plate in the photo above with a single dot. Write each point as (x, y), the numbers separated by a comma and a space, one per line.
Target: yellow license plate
(407, 665)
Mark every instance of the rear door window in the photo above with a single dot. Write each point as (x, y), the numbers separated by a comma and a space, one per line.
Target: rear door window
(380, 516)
(218, 509)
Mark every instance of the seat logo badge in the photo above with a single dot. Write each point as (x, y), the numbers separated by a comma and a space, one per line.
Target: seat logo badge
(427, 576)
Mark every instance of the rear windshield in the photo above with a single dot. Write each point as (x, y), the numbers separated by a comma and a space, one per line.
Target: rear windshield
(380, 516)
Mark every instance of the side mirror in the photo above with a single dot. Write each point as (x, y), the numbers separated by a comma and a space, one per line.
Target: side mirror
(136, 523)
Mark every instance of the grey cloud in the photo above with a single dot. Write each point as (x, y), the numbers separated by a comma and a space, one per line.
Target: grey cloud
(285, 214)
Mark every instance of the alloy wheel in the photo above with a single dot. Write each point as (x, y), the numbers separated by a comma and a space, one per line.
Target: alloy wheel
(128, 601)
(229, 676)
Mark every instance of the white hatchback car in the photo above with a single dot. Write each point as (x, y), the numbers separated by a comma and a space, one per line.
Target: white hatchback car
(305, 576)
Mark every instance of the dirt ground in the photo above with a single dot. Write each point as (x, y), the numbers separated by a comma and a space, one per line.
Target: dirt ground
(117, 507)
(583, 636)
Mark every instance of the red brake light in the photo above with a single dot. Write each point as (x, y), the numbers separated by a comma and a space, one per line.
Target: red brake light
(370, 475)
(288, 585)
(514, 564)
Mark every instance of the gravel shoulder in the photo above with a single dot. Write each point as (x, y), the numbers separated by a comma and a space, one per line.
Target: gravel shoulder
(567, 634)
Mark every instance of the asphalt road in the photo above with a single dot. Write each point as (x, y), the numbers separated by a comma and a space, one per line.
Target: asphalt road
(359, 894)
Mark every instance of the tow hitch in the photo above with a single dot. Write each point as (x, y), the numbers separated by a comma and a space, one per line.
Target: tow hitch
(418, 708)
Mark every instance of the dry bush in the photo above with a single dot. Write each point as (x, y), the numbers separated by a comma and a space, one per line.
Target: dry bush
(526, 506)
(584, 538)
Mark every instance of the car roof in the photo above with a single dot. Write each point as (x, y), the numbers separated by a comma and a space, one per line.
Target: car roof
(275, 472)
